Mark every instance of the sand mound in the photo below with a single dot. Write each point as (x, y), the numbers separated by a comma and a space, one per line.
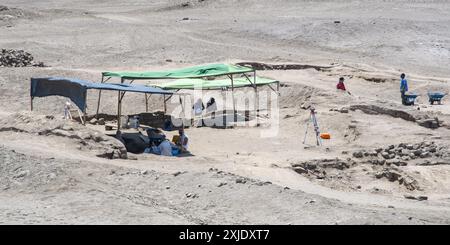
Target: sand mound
(86, 138)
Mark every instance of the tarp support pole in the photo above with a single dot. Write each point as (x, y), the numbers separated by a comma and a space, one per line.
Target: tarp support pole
(165, 106)
(276, 91)
(146, 103)
(119, 107)
(182, 110)
(84, 111)
(31, 103)
(256, 97)
(232, 97)
(100, 95)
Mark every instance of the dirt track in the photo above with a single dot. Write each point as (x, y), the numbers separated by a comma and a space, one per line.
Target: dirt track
(235, 176)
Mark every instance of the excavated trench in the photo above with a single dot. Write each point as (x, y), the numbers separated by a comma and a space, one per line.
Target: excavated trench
(424, 120)
(264, 66)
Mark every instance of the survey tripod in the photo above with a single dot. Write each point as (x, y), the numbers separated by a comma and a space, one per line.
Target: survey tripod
(313, 120)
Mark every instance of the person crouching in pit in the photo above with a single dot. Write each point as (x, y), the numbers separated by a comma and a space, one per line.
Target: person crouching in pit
(341, 85)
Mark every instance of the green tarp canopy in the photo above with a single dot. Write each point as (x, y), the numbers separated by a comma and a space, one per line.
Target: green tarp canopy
(213, 84)
(189, 72)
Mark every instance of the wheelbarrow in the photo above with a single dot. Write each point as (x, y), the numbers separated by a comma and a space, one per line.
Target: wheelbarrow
(410, 99)
(435, 97)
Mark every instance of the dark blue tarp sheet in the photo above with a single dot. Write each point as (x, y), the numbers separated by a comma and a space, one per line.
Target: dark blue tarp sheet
(76, 89)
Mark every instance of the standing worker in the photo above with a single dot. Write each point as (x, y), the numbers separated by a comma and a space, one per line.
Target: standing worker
(403, 88)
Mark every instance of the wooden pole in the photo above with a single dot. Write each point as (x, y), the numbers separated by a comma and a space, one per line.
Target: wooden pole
(146, 103)
(232, 97)
(99, 98)
(256, 97)
(182, 110)
(165, 106)
(85, 110)
(119, 107)
(31, 103)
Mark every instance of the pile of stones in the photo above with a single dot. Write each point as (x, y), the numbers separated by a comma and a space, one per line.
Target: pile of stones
(317, 168)
(402, 153)
(394, 174)
(17, 58)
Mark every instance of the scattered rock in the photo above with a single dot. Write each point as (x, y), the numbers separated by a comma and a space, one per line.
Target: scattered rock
(221, 184)
(241, 181)
(403, 179)
(358, 154)
(21, 174)
(191, 195)
(429, 123)
(101, 121)
(418, 198)
(93, 121)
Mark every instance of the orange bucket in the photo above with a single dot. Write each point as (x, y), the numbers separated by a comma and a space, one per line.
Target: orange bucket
(325, 136)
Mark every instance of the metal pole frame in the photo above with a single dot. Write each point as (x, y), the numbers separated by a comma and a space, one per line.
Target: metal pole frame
(100, 95)
(119, 106)
(85, 110)
(232, 97)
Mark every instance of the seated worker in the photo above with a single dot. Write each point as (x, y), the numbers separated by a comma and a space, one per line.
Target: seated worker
(183, 141)
(341, 85)
(165, 147)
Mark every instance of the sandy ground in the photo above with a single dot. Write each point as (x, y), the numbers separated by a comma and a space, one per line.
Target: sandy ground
(235, 176)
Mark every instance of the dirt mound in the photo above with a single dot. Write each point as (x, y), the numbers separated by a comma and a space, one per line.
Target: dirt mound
(87, 139)
(297, 96)
(17, 58)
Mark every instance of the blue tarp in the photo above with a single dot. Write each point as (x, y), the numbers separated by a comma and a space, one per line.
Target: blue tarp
(76, 89)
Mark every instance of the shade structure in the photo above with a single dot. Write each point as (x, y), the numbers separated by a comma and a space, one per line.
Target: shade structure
(76, 89)
(188, 72)
(214, 84)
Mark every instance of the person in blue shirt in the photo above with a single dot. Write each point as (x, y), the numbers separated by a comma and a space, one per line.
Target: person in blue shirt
(403, 87)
